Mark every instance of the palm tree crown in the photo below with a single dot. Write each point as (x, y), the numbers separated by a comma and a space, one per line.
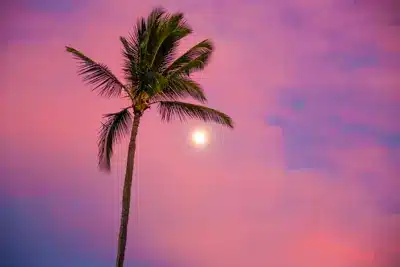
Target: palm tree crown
(154, 75)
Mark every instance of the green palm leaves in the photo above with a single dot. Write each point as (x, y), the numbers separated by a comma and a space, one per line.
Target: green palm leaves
(175, 109)
(97, 75)
(153, 74)
(115, 127)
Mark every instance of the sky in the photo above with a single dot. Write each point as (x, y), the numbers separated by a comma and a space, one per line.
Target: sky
(309, 177)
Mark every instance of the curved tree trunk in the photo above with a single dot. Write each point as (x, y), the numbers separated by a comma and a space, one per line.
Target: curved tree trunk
(126, 195)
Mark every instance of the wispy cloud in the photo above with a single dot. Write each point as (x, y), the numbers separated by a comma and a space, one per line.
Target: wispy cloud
(308, 178)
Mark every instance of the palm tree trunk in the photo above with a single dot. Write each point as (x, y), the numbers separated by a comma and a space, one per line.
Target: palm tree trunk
(126, 195)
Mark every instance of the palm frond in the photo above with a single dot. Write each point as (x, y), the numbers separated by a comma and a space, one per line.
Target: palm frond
(134, 54)
(199, 63)
(114, 128)
(171, 30)
(178, 87)
(96, 74)
(196, 58)
(150, 34)
(174, 109)
(131, 57)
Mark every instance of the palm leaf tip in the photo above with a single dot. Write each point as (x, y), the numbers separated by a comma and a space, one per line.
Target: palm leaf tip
(115, 127)
(182, 111)
(69, 49)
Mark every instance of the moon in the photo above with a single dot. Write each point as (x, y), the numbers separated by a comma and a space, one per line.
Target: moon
(199, 138)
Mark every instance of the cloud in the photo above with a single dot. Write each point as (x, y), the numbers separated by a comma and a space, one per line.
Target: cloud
(315, 188)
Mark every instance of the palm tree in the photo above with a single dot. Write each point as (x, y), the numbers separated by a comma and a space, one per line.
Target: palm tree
(153, 76)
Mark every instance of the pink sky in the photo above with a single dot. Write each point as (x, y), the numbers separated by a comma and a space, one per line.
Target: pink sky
(308, 178)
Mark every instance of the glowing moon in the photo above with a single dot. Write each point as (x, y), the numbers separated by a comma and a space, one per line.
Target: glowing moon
(199, 138)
